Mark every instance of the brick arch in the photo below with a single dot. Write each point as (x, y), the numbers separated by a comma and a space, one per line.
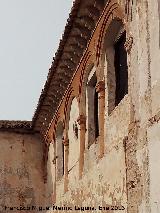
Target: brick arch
(68, 109)
(53, 128)
(64, 107)
(83, 88)
(88, 61)
(61, 115)
(114, 17)
(112, 11)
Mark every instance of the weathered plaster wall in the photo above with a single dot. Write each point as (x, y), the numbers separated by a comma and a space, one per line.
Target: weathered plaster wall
(144, 93)
(154, 168)
(104, 180)
(21, 171)
(74, 142)
(102, 185)
(74, 147)
(128, 173)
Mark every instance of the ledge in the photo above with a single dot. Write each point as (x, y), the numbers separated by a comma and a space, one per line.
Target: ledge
(16, 126)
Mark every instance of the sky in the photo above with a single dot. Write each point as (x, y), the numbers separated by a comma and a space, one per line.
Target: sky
(30, 31)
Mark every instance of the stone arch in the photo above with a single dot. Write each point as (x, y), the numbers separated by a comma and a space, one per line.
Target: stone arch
(113, 11)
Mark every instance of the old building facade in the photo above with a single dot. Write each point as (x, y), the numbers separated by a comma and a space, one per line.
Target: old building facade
(95, 136)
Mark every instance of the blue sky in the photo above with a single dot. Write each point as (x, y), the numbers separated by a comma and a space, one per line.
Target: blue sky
(30, 31)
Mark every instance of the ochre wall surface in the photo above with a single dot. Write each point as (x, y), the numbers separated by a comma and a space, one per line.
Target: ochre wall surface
(21, 171)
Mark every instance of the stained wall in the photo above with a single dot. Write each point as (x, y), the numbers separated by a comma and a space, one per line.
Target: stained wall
(21, 171)
(128, 173)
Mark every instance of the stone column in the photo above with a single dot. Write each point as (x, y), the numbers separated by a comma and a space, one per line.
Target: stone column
(66, 153)
(82, 122)
(100, 88)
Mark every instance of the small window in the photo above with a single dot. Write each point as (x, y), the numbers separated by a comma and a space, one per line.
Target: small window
(121, 69)
(93, 111)
(116, 69)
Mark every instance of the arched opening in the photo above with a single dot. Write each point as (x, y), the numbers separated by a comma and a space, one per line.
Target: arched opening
(116, 63)
(92, 107)
(121, 69)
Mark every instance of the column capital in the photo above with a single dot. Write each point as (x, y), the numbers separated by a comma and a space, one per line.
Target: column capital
(65, 142)
(100, 86)
(81, 119)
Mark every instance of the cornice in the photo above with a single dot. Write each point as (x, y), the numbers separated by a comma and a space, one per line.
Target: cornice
(80, 25)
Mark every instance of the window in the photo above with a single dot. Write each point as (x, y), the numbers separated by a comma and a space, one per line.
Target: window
(121, 69)
(93, 109)
(116, 64)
